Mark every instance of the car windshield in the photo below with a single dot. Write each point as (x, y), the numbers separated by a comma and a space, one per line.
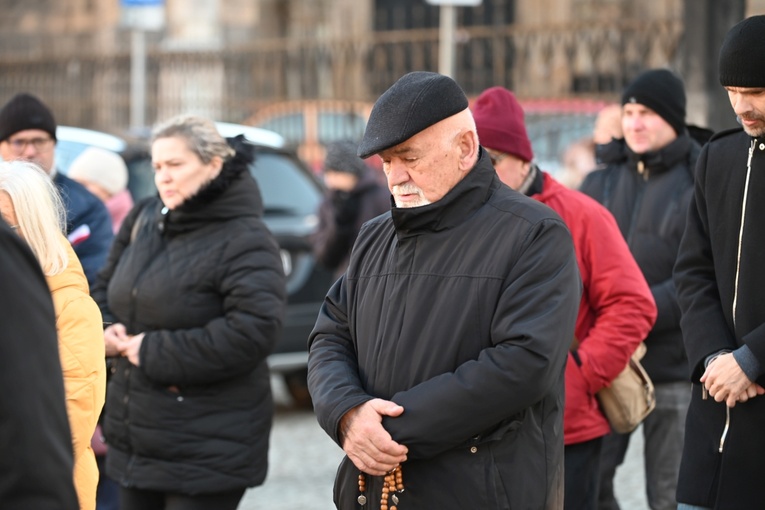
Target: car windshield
(289, 126)
(284, 187)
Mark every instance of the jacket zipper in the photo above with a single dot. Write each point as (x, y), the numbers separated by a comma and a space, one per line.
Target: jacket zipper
(642, 170)
(738, 271)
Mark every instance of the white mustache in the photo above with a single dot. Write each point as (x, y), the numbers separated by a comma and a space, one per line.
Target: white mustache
(406, 189)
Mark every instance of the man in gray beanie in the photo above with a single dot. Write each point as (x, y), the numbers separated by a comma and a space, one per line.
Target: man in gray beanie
(720, 279)
(647, 187)
(437, 361)
(28, 132)
(354, 196)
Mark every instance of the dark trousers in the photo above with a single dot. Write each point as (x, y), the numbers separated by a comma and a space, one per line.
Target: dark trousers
(108, 492)
(137, 499)
(582, 475)
(663, 437)
(614, 450)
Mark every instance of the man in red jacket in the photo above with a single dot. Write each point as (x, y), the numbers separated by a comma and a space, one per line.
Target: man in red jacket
(617, 309)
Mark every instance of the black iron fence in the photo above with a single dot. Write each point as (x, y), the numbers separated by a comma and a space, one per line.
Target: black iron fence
(88, 89)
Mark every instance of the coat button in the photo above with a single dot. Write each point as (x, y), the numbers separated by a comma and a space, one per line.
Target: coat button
(125, 399)
(762, 146)
(473, 449)
(180, 398)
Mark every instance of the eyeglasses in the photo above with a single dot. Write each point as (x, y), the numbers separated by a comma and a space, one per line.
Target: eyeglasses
(19, 145)
(495, 158)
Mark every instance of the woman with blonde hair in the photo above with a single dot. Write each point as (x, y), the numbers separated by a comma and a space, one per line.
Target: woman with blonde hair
(31, 205)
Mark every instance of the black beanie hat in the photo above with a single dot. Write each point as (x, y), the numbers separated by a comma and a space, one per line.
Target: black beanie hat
(741, 54)
(341, 157)
(25, 111)
(412, 104)
(661, 91)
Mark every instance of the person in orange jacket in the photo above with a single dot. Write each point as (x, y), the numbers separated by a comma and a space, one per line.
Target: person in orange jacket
(30, 203)
(617, 309)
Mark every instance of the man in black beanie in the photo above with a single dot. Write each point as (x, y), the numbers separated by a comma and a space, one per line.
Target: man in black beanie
(354, 196)
(28, 132)
(647, 186)
(438, 357)
(720, 279)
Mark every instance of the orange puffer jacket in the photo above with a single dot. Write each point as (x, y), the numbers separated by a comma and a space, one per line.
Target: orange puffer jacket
(81, 348)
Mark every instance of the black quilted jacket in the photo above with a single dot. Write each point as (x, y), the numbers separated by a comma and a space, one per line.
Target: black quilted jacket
(206, 285)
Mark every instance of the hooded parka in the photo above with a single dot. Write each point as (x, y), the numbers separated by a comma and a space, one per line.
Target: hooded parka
(205, 283)
(648, 194)
(81, 348)
(461, 311)
(720, 281)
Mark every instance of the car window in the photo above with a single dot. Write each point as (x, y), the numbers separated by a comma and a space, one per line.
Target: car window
(66, 152)
(290, 126)
(141, 178)
(284, 186)
(340, 126)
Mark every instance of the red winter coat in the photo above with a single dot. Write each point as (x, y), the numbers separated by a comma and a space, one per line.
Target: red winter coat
(616, 312)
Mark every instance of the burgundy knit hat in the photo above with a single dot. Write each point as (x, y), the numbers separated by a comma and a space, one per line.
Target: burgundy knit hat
(500, 122)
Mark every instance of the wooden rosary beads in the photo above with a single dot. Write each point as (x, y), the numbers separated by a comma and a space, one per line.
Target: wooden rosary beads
(392, 483)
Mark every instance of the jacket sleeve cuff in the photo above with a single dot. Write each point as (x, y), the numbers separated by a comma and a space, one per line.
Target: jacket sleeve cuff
(747, 361)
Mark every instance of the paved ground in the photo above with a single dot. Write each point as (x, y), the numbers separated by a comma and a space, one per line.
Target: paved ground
(303, 461)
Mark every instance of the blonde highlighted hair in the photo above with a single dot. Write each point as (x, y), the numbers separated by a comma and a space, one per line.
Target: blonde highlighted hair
(40, 212)
(200, 134)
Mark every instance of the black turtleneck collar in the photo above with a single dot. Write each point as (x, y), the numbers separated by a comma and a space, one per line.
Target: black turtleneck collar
(612, 152)
(663, 159)
(459, 203)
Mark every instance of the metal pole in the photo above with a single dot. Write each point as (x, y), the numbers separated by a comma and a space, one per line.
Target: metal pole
(446, 42)
(137, 79)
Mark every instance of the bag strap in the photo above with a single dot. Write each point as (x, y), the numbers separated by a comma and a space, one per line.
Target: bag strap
(141, 220)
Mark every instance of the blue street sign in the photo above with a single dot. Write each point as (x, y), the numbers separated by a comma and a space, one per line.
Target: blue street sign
(141, 3)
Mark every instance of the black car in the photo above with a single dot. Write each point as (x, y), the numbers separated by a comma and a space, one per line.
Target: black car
(291, 196)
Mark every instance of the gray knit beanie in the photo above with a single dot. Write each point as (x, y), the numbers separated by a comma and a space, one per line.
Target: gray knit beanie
(341, 157)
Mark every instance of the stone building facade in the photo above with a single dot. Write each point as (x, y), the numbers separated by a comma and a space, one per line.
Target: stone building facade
(225, 58)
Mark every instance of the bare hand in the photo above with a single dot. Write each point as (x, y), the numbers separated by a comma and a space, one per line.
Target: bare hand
(365, 440)
(753, 390)
(132, 347)
(114, 338)
(725, 381)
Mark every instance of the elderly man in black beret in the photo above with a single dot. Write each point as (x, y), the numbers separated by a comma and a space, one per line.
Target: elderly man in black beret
(437, 360)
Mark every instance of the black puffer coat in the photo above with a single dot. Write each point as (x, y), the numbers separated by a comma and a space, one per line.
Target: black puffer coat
(206, 285)
(461, 311)
(648, 194)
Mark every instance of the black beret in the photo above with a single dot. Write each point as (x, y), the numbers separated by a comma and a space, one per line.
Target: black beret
(25, 111)
(414, 103)
(740, 53)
